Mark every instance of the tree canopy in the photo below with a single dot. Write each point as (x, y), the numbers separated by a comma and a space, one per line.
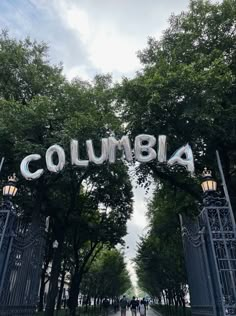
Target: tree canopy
(107, 277)
(186, 90)
(88, 207)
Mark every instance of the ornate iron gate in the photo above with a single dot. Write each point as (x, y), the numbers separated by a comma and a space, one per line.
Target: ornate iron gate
(197, 266)
(210, 255)
(21, 254)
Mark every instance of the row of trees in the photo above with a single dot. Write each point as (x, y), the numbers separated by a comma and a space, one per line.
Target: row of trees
(159, 259)
(107, 277)
(88, 207)
(186, 90)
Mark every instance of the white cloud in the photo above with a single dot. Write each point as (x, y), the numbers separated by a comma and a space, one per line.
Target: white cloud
(112, 51)
(108, 49)
(74, 18)
(81, 72)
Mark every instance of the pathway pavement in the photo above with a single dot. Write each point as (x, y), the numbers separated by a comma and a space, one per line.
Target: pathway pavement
(150, 312)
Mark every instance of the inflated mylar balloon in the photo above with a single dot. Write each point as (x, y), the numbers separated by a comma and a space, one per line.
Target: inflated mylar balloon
(55, 149)
(104, 152)
(74, 149)
(140, 148)
(188, 162)
(24, 167)
(123, 144)
(162, 148)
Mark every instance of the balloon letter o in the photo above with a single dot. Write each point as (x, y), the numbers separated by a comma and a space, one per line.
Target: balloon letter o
(61, 158)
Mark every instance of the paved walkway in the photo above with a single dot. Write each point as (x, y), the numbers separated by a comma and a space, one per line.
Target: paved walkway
(150, 312)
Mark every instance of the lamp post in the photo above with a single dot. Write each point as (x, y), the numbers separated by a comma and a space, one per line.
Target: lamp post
(21, 254)
(7, 210)
(7, 215)
(9, 190)
(7, 224)
(211, 196)
(208, 184)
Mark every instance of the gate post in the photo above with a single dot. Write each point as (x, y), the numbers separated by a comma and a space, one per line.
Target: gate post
(21, 254)
(7, 227)
(214, 266)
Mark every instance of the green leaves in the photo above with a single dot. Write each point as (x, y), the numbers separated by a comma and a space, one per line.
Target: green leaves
(107, 276)
(25, 71)
(88, 207)
(159, 260)
(186, 89)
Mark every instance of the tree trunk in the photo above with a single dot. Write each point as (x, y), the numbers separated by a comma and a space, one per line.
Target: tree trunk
(42, 290)
(53, 286)
(61, 288)
(184, 305)
(74, 292)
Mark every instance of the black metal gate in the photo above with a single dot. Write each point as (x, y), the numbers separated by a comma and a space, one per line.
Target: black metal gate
(210, 255)
(21, 254)
(198, 270)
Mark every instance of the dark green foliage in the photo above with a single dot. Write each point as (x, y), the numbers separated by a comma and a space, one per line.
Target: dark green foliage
(25, 70)
(186, 91)
(107, 276)
(88, 208)
(159, 260)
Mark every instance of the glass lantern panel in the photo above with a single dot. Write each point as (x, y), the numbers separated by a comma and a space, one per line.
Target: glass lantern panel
(6, 189)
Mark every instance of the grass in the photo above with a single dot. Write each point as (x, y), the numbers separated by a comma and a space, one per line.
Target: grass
(171, 310)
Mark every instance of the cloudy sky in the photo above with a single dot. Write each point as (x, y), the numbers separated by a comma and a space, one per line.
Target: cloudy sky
(94, 36)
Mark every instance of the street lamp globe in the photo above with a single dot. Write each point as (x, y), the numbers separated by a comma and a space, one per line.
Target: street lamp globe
(10, 189)
(208, 184)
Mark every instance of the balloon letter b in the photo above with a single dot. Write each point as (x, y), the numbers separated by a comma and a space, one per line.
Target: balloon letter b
(145, 152)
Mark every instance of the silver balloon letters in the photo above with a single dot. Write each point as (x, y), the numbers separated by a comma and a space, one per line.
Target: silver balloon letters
(144, 151)
(55, 149)
(123, 144)
(162, 148)
(74, 149)
(104, 152)
(177, 158)
(24, 167)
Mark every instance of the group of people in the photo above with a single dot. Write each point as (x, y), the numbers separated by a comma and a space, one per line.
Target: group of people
(135, 306)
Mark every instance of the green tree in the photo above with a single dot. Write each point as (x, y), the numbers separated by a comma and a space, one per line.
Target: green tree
(186, 90)
(33, 122)
(107, 277)
(159, 260)
(25, 70)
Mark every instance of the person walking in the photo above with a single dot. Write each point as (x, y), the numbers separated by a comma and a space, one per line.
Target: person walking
(105, 306)
(133, 306)
(147, 303)
(123, 306)
(116, 305)
(142, 308)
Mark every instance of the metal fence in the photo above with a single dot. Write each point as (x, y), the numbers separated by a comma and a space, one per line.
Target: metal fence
(21, 254)
(210, 255)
